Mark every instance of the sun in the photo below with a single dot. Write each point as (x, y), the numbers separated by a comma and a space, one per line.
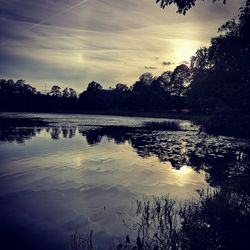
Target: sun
(184, 49)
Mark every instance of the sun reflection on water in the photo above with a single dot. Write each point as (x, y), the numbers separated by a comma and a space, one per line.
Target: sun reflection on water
(185, 170)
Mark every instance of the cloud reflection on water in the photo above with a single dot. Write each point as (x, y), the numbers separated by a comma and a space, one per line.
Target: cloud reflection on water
(56, 179)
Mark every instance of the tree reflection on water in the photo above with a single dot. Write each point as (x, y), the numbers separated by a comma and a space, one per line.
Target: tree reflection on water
(224, 159)
(220, 219)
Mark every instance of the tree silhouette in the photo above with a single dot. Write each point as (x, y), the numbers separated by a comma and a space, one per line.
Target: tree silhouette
(220, 77)
(182, 5)
(69, 93)
(55, 91)
(179, 80)
(16, 96)
(94, 87)
(120, 87)
(165, 81)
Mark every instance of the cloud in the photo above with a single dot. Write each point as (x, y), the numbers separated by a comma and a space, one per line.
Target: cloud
(51, 41)
(150, 67)
(167, 63)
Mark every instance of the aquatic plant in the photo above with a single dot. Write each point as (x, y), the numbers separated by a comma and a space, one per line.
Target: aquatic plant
(219, 219)
(164, 125)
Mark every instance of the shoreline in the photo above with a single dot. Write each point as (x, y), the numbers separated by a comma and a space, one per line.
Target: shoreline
(167, 115)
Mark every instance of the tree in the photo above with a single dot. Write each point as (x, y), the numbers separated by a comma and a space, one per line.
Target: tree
(146, 79)
(221, 72)
(56, 91)
(182, 5)
(94, 87)
(143, 85)
(220, 83)
(120, 87)
(25, 89)
(69, 93)
(180, 80)
(164, 81)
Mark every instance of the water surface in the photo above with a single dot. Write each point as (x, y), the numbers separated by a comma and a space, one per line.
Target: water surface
(68, 173)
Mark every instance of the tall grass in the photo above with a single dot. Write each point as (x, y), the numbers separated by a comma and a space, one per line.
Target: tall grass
(217, 220)
(82, 241)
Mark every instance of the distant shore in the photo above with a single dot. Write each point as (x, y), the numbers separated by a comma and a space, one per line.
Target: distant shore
(167, 115)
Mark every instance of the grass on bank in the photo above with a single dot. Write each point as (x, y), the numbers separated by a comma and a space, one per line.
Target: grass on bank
(218, 220)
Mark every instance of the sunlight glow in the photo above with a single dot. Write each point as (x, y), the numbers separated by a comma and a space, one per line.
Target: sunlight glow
(80, 58)
(79, 161)
(184, 49)
(185, 170)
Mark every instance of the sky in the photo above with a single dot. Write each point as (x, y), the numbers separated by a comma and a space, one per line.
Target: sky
(72, 42)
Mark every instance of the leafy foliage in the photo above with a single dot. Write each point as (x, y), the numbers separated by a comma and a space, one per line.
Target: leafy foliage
(182, 5)
(220, 76)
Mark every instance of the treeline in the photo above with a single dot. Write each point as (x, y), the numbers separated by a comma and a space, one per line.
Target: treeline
(149, 93)
(216, 84)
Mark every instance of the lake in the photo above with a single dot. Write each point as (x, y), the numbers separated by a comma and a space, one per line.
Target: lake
(61, 174)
